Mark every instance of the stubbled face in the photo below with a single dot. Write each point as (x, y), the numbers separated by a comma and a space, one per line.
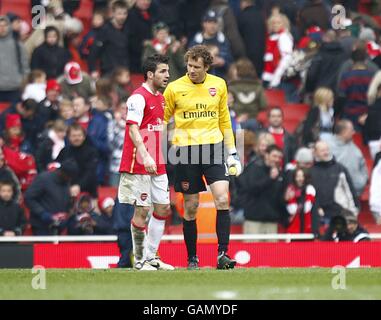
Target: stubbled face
(6, 192)
(210, 27)
(276, 118)
(196, 70)
(76, 138)
(273, 159)
(80, 107)
(120, 16)
(161, 76)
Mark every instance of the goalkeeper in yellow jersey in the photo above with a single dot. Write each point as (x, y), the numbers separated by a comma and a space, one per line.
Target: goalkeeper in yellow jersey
(203, 131)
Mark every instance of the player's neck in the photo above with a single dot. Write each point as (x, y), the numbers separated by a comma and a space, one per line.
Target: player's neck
(151, 87)
(199, 81)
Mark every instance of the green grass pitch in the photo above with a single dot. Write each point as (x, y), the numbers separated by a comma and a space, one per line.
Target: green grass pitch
(252, 284)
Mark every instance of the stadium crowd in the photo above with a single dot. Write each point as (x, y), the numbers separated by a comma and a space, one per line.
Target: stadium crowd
(66, 86)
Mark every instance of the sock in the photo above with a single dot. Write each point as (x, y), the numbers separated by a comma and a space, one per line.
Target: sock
(155, 232)
(223, 229)
(190, 236)
(138, 237)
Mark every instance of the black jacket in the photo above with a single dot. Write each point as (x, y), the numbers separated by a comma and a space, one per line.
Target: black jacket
(51, 59)
(325, 177)
(140, 30)
(372, 128)
(6, 174)
(263, 195)
(325, 67)
(86, 157)
(12, 217)
(251, 19)
(111, 48)
(48, 194)
(44, 154)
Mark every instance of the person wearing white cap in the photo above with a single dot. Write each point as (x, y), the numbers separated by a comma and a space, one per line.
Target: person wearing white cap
(75, 82)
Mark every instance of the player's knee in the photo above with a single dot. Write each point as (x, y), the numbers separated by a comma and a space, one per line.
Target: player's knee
(191, 207)
(222, 202)
(164, 211)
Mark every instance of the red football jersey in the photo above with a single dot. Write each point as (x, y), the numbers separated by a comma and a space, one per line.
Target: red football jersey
(145, 109)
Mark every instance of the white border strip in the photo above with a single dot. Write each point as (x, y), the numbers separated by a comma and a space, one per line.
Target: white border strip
(167, 237)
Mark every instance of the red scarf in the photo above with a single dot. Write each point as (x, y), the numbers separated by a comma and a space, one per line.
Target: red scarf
(295, 209)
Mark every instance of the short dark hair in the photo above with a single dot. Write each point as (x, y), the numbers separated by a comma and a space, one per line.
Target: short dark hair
(340, 126)
(119, 4)
(359, 55)
(76, 127)
(49, 29)
(30, 105)
(273, 109)
(150, 64)
(199, 51)
(273, 147)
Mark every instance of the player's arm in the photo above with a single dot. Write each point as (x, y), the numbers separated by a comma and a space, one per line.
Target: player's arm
(136, 105)
(227, 131)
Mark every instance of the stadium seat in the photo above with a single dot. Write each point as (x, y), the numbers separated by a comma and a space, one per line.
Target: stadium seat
(275, 98)
(295, 111)
(104, 192)
(3, 106)
(85, 14)
(291, 124)
(19, 7)
(137, 79)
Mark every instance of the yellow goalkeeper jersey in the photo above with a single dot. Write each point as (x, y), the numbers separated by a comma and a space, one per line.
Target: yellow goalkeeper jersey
(200, 112)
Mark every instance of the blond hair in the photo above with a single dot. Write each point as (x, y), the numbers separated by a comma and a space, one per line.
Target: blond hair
(265, 137)
(322, 96)
(285, 21)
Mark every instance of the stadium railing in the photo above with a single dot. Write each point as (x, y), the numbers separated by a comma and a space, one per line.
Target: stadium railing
(175, 237)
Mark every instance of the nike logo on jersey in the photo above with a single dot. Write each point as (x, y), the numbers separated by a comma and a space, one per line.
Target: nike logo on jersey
(152, 107)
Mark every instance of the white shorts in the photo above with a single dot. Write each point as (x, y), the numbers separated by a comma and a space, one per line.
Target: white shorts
(143, 190)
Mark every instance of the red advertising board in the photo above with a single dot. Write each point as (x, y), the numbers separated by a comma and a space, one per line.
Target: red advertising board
(294, 254)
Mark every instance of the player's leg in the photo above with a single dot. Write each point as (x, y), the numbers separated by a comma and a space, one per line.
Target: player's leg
(156, 225)
(191, 202)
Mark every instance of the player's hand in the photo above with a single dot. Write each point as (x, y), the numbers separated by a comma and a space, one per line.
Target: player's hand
(75, 190)
(274, 173)
(234, 162)
(150, 165)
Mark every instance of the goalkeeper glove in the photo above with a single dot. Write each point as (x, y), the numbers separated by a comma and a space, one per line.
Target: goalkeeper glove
(234, 165)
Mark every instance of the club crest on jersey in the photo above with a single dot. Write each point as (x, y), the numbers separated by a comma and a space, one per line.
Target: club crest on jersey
(212, 91)
(185, 185)
(144, 196)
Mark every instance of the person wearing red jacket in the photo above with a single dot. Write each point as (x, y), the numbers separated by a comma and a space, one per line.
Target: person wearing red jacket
(300, 200)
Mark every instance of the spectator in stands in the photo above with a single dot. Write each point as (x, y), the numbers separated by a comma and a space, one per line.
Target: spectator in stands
(228, 25)
(251, 18)
(333, 184)
(325, 66)
(283, 139)
(261, 182)
(300, 197)
(14, 66)
(12, 218)
(249, 95)
(95, 123)
(49, 199)
(104, 221)
(66, 110)
(264, 140)
(211, 36)
(50, 56)
(353, 88)
(372, 127)
(15, 24)
(52, 142)
(111, 43)
(36, 87)
(345, 38)
(81, 222)
(348, 154)
(121, 81)
(142, 17)
(86, 158)
(345, 227)
(97, 22)
(278, 55)
(320, 119)
(314, 12)
(116, 131)
(75, 82)
(7, 174)
(164, 43)
(304, 159)
(14, 137)
(49, 107)
(171, 12)
(375, 191)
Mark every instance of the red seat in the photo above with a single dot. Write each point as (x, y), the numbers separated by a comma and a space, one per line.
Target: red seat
(291, 124)
(295, 111)
(275, 98)
(19, 7)
(3, 106)
(104, 192)
(85, 14)
(137, 79)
